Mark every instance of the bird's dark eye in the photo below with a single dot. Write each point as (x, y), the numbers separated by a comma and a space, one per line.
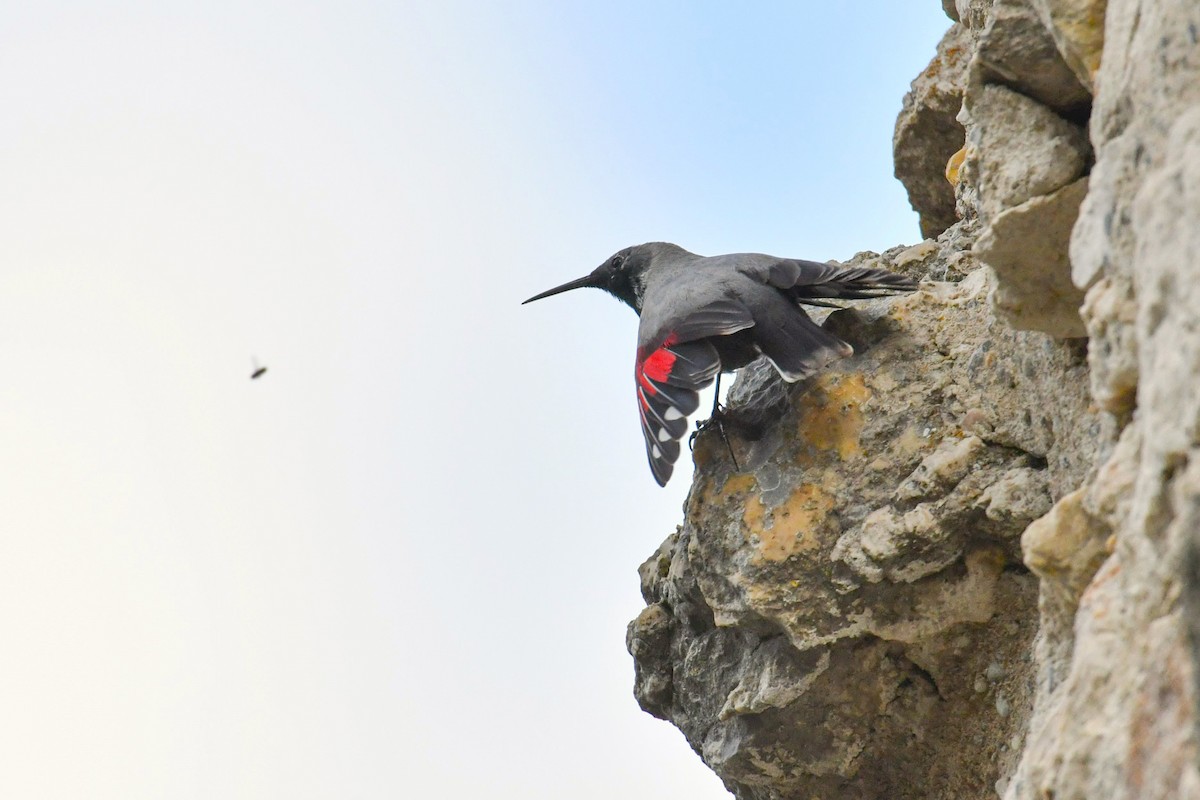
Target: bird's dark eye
(617, 261)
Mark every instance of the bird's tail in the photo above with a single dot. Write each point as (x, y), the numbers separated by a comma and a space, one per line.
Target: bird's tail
(857, 283)
(799, 347)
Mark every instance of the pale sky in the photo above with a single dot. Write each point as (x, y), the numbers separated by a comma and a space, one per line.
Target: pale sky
(401, 563)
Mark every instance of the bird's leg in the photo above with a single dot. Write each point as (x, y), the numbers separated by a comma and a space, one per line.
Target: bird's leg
(715, 419)
(728, 446)
(712, 418)
(716, 399)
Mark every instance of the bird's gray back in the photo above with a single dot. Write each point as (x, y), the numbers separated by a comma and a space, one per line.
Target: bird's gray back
(683, 282)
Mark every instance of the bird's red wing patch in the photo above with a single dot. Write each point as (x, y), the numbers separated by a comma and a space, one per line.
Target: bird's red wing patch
(668, 379)
(657, 367)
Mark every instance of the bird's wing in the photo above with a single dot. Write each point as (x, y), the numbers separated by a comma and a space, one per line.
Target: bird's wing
(808, 280)
(674, 362)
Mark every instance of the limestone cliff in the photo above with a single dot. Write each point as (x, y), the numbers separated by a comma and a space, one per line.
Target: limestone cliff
(963, 562)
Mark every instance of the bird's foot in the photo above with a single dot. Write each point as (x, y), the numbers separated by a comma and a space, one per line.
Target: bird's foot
(717, 420)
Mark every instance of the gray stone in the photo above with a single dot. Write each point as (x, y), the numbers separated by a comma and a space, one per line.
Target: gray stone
(1110, 313)
(1078, 30)
(1115, 711)
(1027, 247)
(1018, 149)
(1017, 51)
(973, 13)
(1148, 77)
(927, 133)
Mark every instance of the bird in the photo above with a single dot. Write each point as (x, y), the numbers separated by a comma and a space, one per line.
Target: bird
(704, 315)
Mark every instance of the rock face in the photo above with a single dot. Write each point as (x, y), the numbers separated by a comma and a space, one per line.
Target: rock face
(928, 133)
(965, 562)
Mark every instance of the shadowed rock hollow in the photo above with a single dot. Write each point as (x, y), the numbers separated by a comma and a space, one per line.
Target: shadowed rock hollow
(955, 565)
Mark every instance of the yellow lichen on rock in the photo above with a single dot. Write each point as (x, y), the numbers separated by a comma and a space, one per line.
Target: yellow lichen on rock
(954, 166)
(737, 484)
(780, 531)
(832, 418)
(791, 527)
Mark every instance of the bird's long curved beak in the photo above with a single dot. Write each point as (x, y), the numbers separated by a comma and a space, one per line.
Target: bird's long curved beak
(578, 283)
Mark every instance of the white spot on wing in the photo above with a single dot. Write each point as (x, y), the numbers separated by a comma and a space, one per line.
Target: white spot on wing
(654, 451)
(672, 414)
(664, 435)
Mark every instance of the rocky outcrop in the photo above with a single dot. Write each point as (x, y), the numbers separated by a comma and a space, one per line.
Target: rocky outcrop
(965, 562)
(848, 607)
(928, 132)
(1118, 719)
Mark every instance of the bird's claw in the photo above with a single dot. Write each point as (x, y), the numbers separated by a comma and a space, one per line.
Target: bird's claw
(717, 420)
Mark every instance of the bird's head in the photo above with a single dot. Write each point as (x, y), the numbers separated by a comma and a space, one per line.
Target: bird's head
(623, 275)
